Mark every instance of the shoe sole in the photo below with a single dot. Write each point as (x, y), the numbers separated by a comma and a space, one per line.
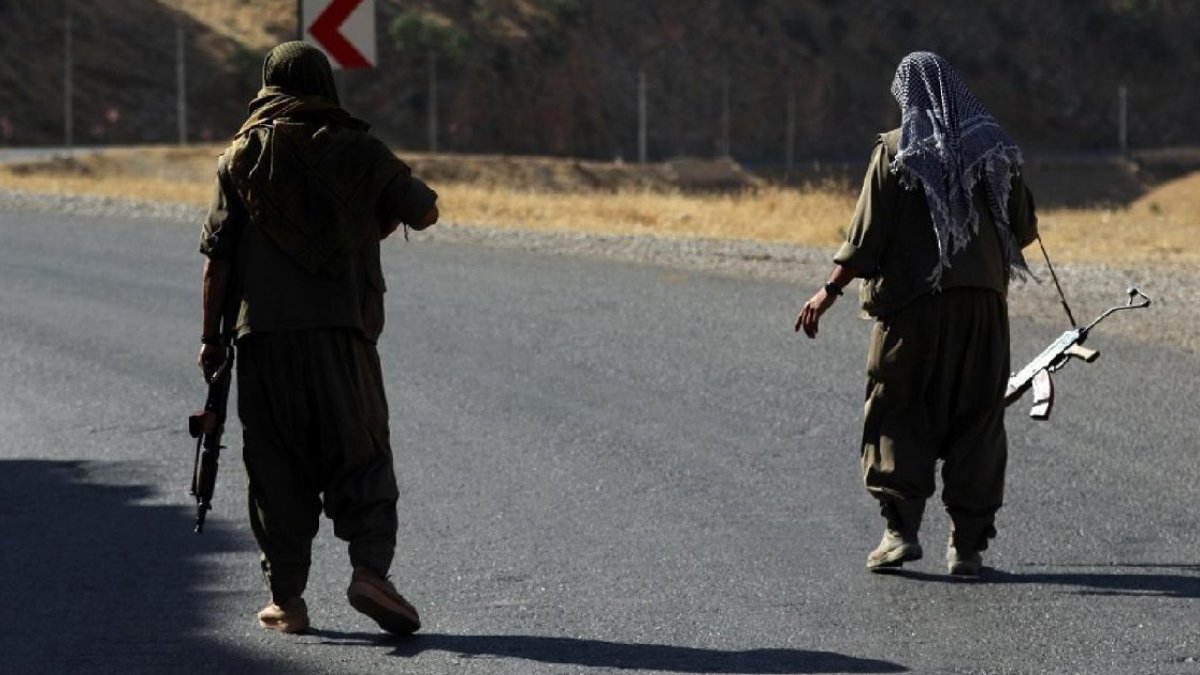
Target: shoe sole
(965, 570)
(896, 558)
(285, 626)
(370, 601)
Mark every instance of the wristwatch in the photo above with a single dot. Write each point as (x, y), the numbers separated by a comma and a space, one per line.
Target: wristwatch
(833, 289)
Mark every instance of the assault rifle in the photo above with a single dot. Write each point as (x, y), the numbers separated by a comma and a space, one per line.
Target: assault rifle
(1036, 375)
(206, 426)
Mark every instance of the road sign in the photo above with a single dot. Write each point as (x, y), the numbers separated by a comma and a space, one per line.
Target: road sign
(343, 29)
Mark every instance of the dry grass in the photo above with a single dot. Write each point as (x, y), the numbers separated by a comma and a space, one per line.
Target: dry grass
(765, 214)
(151, 189)
(158, 173)
(1161, 228)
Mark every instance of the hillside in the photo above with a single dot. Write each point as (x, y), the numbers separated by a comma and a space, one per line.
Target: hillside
(559, 77)
(124, 76)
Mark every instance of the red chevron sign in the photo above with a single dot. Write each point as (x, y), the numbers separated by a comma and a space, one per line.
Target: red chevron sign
(343, 29)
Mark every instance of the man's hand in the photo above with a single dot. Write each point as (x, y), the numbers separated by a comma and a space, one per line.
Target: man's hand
(210, 360)
(810, 316)
(426, 221)
(431, 216)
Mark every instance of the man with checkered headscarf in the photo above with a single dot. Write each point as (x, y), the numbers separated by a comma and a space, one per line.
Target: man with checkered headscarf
(302, 198)
(936, 237)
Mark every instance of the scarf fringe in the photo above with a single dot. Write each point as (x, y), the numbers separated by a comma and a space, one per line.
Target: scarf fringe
(948, 144)
(956, 227)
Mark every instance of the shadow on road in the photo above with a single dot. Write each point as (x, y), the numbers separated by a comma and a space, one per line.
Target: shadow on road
(1088, 583)
(1112, 583)
(625, 656)
(95, 582)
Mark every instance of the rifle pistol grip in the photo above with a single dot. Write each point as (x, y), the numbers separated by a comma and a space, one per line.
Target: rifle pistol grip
(1081, 352)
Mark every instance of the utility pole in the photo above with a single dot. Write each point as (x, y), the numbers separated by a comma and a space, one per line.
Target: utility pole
(433, 96)
(1123, 119)
(181, 80)
(641, 110)
(68, 85)
(724, 144)
(789, 146)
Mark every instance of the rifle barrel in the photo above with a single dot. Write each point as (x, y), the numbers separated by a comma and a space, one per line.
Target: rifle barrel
(201, 510)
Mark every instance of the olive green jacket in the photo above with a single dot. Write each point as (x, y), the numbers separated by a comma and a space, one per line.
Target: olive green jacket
(892, 246)
(300, 208)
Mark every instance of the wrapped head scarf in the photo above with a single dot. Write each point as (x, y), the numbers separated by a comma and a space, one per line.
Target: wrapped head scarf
(297, 80)
(949, 143)
(312, 189)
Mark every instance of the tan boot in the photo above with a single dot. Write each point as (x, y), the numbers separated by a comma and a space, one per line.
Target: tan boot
(895, 549)
(963, 562)
(899, 544)
(376, 597)
(290, 616)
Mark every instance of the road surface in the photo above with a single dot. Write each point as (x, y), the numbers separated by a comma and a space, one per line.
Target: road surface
(604, 467)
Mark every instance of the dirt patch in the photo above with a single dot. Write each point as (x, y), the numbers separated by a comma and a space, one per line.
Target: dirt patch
(542, 174)
(57, 166)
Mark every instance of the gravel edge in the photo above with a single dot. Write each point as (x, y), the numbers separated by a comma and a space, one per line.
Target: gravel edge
(1091, 288)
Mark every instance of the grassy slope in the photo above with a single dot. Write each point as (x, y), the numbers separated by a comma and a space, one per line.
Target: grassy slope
(228, 37)
(556, 76)
(124, 63)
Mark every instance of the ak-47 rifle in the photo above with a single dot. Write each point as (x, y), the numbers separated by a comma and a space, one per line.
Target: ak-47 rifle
(206, 426)
(1036, 375)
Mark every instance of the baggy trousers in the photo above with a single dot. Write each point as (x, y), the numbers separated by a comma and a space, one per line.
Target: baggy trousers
(936, 375)
(315, 426)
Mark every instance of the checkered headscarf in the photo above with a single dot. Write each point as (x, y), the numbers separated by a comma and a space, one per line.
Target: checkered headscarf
(948, 143)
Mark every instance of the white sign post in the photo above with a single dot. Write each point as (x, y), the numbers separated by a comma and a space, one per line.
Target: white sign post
(343, 29)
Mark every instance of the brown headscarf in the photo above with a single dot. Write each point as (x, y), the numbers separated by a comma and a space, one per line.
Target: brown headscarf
(297, 80)
(312, 189)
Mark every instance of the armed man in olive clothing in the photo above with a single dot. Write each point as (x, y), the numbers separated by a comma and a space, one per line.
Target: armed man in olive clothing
(303, 196)
(936, 237)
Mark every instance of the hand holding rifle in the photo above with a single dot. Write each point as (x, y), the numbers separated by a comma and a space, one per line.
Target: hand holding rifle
(208, 425)
(216, 360)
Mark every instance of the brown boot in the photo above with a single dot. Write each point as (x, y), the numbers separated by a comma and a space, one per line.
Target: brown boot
(895, 549)
(375, 596)
(289, 616)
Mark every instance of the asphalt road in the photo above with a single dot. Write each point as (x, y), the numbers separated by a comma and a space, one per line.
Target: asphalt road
(40, 154)
(604, 467)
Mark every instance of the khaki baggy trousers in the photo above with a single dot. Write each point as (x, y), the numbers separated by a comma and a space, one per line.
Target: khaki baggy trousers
(315, 426)
(936, 375)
